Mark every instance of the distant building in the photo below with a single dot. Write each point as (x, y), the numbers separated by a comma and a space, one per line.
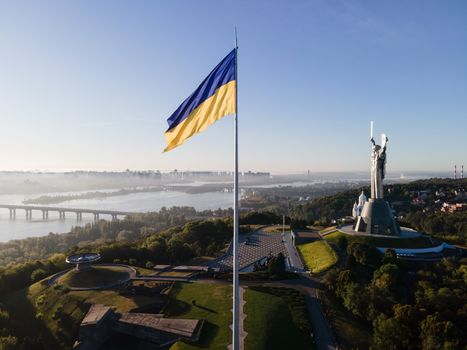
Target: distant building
(423, 194)
(255, 174)
(453, 207)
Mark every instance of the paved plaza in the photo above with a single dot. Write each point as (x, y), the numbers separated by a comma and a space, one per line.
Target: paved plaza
(257, 246)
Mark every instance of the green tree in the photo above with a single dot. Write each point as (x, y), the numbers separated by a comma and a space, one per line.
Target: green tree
(8, 342)
(355, 299)
(408, 316)
(330, 279)
(38, 274)
(389, 257)
(386, 277)
(276, 266)
(389, 334)
(365, 254)
(298, 224)
(342, 243)
(438, 334)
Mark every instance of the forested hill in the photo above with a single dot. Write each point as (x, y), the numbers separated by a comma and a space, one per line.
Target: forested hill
(128, 229)
(147, 247)
(417, 205)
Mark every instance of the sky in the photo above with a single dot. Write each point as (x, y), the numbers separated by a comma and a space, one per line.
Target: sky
(89, 84)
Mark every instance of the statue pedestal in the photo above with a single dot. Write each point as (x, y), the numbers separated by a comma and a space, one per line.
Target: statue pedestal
(376, 218)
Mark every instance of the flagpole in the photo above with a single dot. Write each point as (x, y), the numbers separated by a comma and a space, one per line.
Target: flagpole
(236, 293)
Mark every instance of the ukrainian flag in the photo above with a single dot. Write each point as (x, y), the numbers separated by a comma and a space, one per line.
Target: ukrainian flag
(212, 100)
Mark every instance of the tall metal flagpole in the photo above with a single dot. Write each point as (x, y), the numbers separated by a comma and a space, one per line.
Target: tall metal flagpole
(236, 293)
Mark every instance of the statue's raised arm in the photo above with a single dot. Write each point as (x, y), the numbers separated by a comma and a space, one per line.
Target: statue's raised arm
(384, 140)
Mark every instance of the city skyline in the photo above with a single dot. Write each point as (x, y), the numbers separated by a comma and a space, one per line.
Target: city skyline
(96, 94)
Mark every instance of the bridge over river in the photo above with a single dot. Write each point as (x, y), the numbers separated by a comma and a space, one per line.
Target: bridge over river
(62, 211)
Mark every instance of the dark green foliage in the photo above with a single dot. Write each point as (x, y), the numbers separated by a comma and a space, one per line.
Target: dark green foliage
(260, 218)
(4, 317)
(365, 254)
(19, 276)
(425, 311)
(390, 334)
(447, 226)
(390, 257)
(276, 266)
(38, 274)
(126, 230)
(175, 245)
(342, 243)
(439, 334)
(298, 224)
(296, 303)
(8, 342)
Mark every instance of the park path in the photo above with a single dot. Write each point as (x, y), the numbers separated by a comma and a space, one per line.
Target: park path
(295, 263)
(242, 316)
(309, 285)
(131, 275)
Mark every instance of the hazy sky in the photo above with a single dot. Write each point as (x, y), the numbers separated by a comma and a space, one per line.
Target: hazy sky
(89, 84)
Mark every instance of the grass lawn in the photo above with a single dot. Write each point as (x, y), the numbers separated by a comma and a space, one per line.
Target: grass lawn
(200, 260)
(276, 229)
(350, 333)
(213, 304)
(318, 255)
(252, 227)
(94, 276)
(269, 324)
(144, 272)
(174, 274)
(415, 242)
(325, 229)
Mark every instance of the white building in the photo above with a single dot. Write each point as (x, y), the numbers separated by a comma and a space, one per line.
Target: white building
(358, 207)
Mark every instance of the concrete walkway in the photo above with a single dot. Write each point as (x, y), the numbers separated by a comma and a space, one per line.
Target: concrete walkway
(308, 285)
(242, 316)
(131, 275)
(295, 262)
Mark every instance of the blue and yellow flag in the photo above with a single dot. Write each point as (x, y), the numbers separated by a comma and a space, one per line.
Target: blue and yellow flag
(212, 100)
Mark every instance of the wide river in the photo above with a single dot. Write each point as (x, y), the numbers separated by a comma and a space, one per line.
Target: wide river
(136, 202)
(142, 202)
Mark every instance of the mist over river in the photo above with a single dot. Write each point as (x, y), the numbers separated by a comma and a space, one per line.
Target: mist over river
(79, 184)
(136, 202)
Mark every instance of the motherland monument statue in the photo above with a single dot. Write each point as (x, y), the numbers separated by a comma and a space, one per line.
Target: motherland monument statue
(376, 216)
(378, 167)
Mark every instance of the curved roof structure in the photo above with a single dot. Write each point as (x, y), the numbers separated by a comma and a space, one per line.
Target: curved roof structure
(83, 258)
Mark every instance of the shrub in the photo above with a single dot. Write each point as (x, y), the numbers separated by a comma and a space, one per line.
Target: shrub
(38, 274)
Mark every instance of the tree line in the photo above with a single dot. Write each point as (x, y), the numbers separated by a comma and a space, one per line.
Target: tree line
(425, 309)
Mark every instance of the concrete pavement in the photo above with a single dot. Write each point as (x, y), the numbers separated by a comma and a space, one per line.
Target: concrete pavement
(295, 262)
(308, 285)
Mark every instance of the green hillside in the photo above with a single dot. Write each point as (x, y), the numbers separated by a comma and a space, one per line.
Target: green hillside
(56, 312)
(94, 276)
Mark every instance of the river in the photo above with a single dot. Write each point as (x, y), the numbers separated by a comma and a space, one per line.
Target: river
(151, 201)
(135, 202)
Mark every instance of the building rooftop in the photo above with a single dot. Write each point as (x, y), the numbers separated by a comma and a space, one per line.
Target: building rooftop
(183, 328)
(96, 314)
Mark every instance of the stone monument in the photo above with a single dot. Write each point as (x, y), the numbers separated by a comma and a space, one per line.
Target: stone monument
(376, 216)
